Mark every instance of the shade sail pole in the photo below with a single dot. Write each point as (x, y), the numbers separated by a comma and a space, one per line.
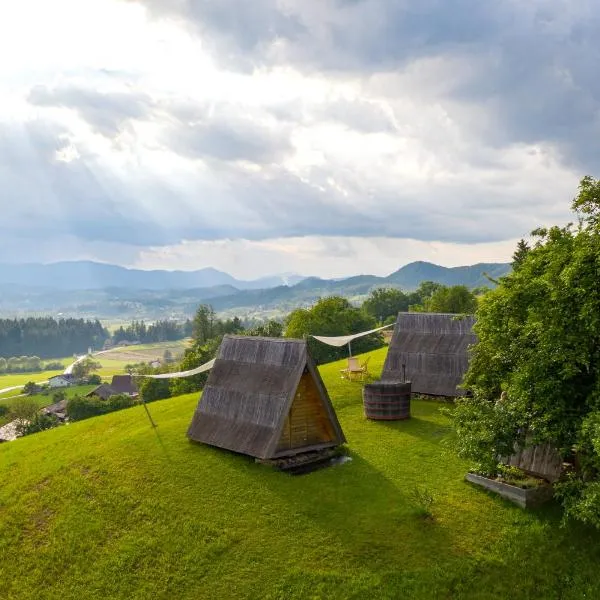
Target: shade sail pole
(148, 413)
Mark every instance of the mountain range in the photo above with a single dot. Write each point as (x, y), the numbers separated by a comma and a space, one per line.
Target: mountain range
(88, 275)
(91, 289)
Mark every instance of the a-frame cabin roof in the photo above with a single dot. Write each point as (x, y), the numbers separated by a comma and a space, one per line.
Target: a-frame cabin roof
(249, 393)
(433, 347)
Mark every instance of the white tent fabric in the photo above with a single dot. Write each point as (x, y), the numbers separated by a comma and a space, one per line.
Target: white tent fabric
(201, 369)
(342, 340)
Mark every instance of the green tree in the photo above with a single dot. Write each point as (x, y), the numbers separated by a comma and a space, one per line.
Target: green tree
(455, 299)
(539, 343)
(193, 357)
(271, 328)
(203, 324)
(520, 254)
(383, 303)
(30, 388)
(426, 289)
(84, 367)
(332, 316)
(3, 365)
(23, 410)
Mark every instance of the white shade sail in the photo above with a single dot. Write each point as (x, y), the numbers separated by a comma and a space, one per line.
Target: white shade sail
(342, 340)
(201, 369)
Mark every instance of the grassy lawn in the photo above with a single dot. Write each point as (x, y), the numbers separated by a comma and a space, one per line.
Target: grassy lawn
(110, 508)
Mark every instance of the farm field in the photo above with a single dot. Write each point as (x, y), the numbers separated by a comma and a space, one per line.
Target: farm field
(117, 358)
(12, 379)
(110, 508)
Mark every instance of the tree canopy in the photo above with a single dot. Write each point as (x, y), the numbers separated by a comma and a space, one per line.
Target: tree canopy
(385, 303)
(47, 337)
(332, 316)
(539, 343)
(457, 299)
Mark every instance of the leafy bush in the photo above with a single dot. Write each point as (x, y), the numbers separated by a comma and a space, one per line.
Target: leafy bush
(40, 422)
(155, 389)
(58, 396)
(80, 408)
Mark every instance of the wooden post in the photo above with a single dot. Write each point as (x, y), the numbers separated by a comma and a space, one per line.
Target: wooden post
(149, 415)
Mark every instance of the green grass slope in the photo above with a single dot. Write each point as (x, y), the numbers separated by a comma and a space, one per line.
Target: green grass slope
(109, 508)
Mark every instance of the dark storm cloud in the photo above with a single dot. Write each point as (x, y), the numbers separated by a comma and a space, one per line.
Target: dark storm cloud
(237, 31)
(534, 64)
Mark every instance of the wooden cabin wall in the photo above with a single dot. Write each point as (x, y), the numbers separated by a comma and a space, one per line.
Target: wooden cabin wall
(307, 423)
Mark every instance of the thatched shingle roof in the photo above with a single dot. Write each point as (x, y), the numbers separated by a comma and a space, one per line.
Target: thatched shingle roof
(434, 348)
(103, 391)
(124, 384)
(250, 390)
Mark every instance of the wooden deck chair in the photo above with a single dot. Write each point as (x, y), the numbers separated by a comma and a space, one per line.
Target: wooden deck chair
(352, 369)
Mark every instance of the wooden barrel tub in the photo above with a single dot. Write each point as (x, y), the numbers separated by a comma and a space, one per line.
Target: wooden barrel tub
(387, 400)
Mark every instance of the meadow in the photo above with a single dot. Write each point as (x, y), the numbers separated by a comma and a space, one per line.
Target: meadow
(113, 363)
(111, 508)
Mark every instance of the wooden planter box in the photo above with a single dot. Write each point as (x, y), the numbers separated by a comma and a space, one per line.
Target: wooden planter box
(525, 498)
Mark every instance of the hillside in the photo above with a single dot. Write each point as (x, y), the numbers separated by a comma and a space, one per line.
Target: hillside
(109, 508)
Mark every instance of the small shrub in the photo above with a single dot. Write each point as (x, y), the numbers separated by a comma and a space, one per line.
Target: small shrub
(119, 402)
(3, 410)
(94, 379)
(79, 408)
(510, 473)
(423, 500)
(58, 396)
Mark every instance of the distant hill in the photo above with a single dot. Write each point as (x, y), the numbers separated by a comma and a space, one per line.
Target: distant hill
(105, 291)
(88, 275)
(411, 275)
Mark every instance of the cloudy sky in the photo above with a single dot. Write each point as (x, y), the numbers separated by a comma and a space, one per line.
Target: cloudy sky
(329, 138)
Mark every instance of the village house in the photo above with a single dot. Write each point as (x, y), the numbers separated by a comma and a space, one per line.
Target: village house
(59, 381)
